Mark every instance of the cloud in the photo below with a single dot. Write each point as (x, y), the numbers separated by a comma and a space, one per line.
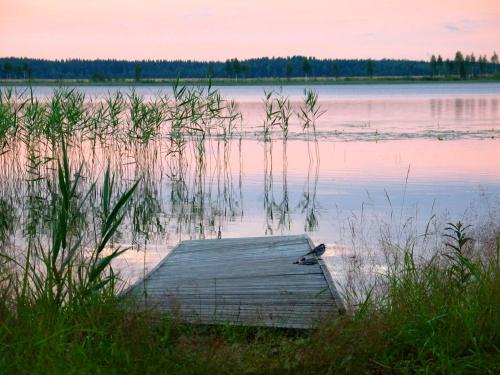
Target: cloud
(466, 25)
(452, 27)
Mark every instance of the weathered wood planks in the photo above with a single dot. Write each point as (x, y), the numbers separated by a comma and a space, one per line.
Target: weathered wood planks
(250, 281)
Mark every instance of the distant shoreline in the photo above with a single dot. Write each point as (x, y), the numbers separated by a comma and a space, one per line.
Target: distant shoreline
(247, 81)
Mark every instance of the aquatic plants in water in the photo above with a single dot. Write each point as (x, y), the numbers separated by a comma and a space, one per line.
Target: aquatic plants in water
(61, 264)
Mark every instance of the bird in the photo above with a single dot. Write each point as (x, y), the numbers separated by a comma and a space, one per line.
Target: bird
(306, 261)
(318, 250)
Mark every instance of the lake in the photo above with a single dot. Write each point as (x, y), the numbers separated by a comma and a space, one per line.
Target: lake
(384, 161)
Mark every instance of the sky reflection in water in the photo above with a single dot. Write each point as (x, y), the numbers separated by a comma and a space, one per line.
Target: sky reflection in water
(385, 154)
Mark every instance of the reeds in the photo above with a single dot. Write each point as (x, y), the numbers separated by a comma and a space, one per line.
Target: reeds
(59, 267)
(278, 110)
(310, 111)
(117, 118)
(188, 113)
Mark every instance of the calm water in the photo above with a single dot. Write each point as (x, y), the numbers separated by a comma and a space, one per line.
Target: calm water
(372, 112)
(395, 155)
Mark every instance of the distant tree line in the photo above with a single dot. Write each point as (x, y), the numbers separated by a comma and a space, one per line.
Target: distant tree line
(281, 67)
(463, 66)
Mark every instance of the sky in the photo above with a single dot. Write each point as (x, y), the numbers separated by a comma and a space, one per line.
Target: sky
(221, 29)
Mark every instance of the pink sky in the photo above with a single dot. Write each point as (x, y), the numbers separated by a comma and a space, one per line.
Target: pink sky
(219, 29)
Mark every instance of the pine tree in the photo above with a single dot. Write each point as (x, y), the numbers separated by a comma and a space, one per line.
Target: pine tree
(228, 67)
(138, 72)
(369, 68)
(210, 70)
(460, 65)
(494, 61)
(288, 70)
(449, 67)
(473, 64)
(335, 70)
(482, 64)
(433, 64)
(439, 65)
(236, 67)
(306, 67)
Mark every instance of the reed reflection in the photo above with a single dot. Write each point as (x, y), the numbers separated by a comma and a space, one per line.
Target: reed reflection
(194, 157)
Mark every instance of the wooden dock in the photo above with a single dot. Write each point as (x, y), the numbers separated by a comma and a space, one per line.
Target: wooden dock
(248, 281)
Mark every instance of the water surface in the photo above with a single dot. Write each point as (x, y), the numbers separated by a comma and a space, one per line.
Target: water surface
(384, 155)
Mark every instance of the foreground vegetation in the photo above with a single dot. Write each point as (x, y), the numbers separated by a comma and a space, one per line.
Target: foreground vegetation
(438, 316)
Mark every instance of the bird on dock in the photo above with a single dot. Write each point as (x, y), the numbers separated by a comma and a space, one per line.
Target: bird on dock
(318, 250)
(306, 261)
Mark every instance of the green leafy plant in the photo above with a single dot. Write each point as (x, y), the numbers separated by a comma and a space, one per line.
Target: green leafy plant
(462, 266)
(310, 110)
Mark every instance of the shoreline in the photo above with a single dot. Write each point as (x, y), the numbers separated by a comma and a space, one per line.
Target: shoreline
(249, 81)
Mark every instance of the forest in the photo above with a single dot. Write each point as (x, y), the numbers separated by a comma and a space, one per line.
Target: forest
(461, 66)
